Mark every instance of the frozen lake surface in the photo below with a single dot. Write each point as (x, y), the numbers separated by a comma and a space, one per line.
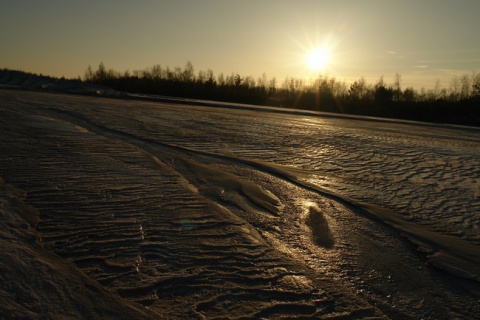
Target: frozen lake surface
(131, 208)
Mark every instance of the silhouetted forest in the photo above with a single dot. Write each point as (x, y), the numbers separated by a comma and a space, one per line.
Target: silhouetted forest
(459, 103)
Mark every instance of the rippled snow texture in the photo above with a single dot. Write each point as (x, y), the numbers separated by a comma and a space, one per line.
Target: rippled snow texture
(199, 212)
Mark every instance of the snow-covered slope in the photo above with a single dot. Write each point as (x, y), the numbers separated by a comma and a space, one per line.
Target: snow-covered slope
(21, 80)
(201, 212)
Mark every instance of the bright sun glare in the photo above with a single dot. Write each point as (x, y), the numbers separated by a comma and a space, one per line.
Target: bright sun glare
(317, 59)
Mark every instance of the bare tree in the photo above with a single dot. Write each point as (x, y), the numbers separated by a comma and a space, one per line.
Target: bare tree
(101, 73)
(397, 90)
(262, 81)
(201, 76)
(272, 85)
(210, 77)
(476, 84)
(89, 75)
(221, 79)
(188, 74)
(465, 86)
(156, 71)
(248, 82)
(454, 88)
(436, 89)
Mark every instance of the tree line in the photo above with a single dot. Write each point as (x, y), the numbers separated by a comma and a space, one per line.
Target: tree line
(459, 103)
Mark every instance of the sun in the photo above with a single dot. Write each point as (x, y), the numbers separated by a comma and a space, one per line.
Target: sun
(317, 59)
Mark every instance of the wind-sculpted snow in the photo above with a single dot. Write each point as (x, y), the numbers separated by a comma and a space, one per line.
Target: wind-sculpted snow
(199, 212)
(36, 284)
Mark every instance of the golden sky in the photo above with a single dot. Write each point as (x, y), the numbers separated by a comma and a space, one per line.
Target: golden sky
(421, 40)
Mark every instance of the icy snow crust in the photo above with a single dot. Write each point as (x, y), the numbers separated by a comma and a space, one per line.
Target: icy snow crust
(177, 209)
